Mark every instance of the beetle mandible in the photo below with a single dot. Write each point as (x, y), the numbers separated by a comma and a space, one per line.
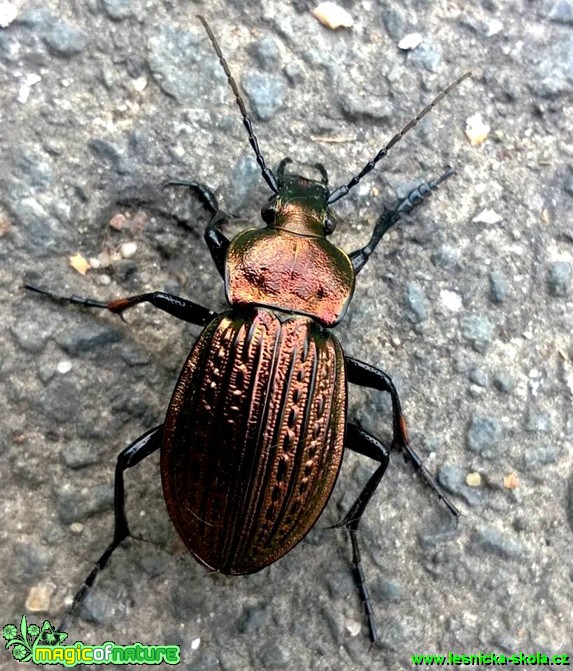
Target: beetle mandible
(256, 428)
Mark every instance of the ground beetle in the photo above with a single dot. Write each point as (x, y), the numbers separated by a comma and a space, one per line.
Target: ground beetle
(255, 431)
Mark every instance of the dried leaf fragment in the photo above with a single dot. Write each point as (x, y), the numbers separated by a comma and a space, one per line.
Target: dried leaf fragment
(80, 264)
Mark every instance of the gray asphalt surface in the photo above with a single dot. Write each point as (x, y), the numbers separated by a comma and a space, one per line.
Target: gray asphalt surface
(467, 305)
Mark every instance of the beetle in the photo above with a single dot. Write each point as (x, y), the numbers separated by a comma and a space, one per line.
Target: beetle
(255, 431)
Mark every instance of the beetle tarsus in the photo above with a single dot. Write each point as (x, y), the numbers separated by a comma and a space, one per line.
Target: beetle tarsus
(418, 195)
(361, 441)
(60, 298)
(360, 582)
(204, 194)
(216, 241)
(388, 218)
(132, 455)
(414, 458)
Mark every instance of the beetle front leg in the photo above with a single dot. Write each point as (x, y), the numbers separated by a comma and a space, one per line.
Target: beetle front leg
(388, 218)
(178, 307)
(365, 443)
(144, 446)
(365, 375)
(216, 241)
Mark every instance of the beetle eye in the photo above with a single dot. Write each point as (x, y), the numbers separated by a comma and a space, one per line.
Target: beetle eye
(269, 213)
(329, 226)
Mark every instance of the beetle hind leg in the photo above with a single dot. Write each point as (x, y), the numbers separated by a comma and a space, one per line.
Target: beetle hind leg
(132, 455)
(365, 443)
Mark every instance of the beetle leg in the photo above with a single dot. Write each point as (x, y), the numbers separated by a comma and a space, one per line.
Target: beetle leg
(216, 241)
(178, 307)
(133, 454)
(389, 217)
(204, 194)
(365, 443)
(365, 375)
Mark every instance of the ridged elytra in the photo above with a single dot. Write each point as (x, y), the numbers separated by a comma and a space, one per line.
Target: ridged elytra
(257, 425)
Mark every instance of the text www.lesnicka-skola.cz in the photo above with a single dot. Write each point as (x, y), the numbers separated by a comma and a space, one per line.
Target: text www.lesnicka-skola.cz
(491, 659)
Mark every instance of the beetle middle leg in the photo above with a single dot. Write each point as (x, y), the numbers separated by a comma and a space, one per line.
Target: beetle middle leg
(175, 305)
(132, 455)
(365, 375)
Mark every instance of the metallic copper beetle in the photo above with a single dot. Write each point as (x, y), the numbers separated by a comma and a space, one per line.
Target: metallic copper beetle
(255, 431)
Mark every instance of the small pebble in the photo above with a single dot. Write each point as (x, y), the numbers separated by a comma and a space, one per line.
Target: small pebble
(511, 481)
(487, 217)
(333, 16)
(484, 435)
(494, 27)
(411, 41)
(478, 331)
(562, 12)
(498, 287)
(451, 300)
(477, 129)
(473, 479)
(26, 87)
(118, 221)
(560, 278)
(79, 264)
(64, 366)
(8, 12)
(139, 84)
(128, 249)
(353, 627)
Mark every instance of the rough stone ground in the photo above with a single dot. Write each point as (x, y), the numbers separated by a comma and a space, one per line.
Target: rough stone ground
(468, 305)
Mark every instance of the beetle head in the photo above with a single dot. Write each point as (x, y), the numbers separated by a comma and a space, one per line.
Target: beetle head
(300, 204)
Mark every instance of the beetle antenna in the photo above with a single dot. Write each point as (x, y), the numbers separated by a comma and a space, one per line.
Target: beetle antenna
(267, 173)
(343, 190)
